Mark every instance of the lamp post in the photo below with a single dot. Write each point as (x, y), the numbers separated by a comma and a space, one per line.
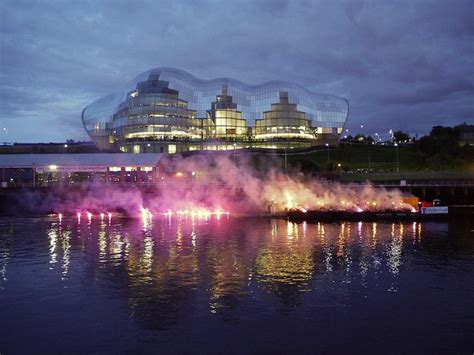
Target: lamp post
(286, 160)
(368, 149)
(398, 167)
(327, 147)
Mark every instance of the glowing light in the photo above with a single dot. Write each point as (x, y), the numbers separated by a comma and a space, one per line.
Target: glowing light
(79, 217)
(102, 216)
(179, 174)
(290, 204)
(146, 216)
(89, 216)
(198, 212)
(145, 212)
(60, 216)
(53, 167)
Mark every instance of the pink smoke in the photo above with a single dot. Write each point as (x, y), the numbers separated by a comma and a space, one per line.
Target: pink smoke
(220, 183)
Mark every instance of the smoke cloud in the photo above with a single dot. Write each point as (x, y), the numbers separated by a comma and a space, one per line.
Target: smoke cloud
(218, 182)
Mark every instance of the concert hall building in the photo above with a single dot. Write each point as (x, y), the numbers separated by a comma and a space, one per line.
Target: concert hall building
(168, 111)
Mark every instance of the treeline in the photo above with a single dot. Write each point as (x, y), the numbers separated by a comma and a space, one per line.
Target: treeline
(444, 148)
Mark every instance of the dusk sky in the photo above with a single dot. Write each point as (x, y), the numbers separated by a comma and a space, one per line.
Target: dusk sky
(401, 64)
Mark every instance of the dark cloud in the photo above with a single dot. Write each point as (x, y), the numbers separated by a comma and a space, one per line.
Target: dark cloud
(404, 64)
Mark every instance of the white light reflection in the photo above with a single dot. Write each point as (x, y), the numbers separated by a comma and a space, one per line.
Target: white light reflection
(193, 233)
(66, 243)
(374, 235)
(102, 243)
(147, 256)
(274, 231)
(5, 246)
(53, 245)
(116, 247)
(394, 251)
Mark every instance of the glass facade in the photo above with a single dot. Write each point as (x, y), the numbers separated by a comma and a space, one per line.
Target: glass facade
(169, 110)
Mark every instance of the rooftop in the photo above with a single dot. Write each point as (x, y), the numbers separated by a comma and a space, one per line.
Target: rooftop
(99, 159)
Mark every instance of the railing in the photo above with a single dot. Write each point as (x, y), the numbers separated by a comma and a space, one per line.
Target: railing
(187, 183)
(427, 184)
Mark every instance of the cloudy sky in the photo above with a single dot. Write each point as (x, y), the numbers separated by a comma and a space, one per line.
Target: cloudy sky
(401, 64)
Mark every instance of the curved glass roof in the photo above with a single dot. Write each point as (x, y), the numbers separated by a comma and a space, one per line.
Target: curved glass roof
(252, 100)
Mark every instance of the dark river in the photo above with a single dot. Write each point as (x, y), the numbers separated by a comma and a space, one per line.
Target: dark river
(235, 285)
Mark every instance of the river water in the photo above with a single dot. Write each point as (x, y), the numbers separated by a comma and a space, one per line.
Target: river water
(235, 285)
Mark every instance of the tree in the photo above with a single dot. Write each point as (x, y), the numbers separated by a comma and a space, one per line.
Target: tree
(400, 136)
(443, 133)
(359, 138)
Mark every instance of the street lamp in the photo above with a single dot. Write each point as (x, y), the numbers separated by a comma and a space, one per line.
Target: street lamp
(398, 167)
(327, 147)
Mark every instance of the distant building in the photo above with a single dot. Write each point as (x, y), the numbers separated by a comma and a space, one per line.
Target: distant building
(46, 170)
(168, 110)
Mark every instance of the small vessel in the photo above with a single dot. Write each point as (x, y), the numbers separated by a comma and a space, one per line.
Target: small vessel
(434, 208)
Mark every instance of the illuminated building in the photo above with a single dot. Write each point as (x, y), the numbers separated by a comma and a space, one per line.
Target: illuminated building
(168, 110)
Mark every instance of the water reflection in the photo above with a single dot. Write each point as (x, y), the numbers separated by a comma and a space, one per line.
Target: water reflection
(59, 238)
(6, 241)
(168, 266)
